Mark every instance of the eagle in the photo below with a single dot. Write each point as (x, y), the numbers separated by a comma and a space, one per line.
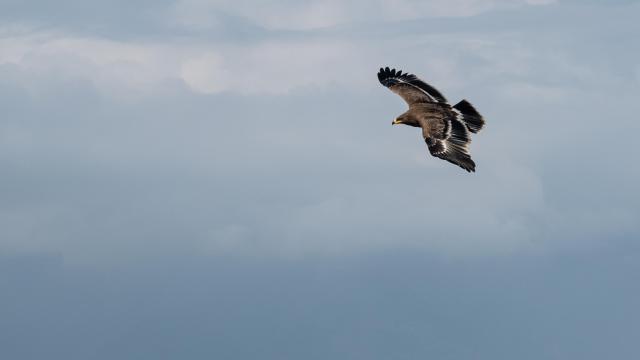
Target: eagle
(446, 129)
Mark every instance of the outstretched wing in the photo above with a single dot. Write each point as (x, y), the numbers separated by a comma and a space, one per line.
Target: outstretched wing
(451, 144)
(409, 87)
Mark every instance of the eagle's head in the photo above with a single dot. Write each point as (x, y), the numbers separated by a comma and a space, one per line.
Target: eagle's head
(406, 119)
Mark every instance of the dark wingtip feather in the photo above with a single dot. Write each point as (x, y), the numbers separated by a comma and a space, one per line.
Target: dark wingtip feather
(463, 162)
(388, 77)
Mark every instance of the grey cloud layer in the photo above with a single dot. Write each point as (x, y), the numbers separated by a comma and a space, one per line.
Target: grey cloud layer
(190, 189)
(118, 135)
(151, 18)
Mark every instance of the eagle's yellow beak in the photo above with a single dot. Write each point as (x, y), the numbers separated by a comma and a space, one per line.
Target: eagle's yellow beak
(396, 121)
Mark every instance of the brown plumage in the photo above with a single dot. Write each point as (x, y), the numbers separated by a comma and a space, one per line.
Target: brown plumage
(446, 129)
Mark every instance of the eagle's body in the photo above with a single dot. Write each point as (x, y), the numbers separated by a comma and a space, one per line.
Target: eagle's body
(446, 129)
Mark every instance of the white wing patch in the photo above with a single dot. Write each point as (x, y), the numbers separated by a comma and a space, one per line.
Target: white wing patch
(444, 148)
(459, 115)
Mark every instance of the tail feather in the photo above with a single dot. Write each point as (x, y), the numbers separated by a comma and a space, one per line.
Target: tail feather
(470, 116)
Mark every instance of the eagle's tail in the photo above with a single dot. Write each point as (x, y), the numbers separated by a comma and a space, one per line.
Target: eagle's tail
(470, 116)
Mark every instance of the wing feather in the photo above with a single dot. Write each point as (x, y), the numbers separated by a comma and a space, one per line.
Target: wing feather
(454, 148)
(409, 87)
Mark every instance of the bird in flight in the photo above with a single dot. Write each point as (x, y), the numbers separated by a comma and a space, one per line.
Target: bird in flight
(446, 129)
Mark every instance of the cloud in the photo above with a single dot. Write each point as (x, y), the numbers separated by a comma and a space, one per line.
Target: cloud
(179, 181)
(201, 14)
(295, 15)
(279, 145)
(111, 66)
(270, 67)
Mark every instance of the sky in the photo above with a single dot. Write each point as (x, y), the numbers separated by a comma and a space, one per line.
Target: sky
(198, 179)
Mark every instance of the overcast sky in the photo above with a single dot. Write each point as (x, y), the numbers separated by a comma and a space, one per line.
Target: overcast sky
(201, 179)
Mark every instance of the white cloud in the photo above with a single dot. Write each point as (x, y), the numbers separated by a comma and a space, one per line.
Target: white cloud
(296, 15)
(266, 67)
(112, 66)
(271, 67)
(285, 15)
